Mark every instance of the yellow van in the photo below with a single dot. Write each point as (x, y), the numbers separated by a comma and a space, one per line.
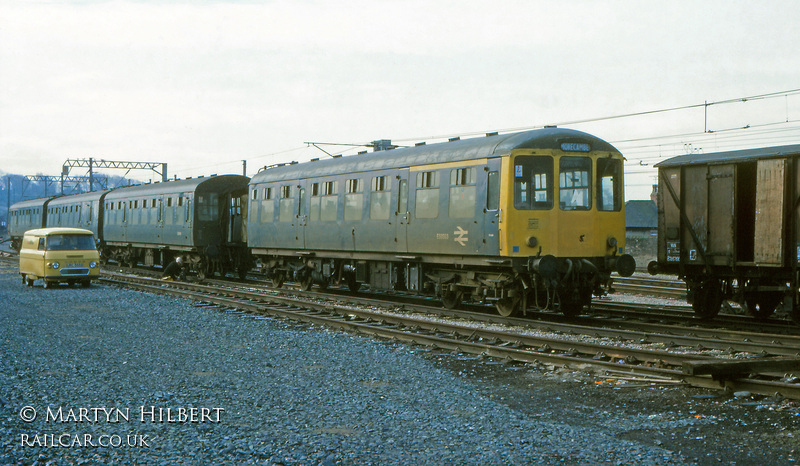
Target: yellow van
(59, 255)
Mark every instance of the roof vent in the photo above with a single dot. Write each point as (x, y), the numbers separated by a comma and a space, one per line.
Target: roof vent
(453, 139)
(550, 126)
(314, 159)
(493, 133)
(362, 152)
(419, 144)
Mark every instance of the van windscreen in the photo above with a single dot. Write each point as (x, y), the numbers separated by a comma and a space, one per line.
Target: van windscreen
(70, 242)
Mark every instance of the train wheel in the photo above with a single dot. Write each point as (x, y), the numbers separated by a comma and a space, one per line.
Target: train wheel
(762, 306)
(352, 284)
(28, 281)
(451, 299)
(47, 284)
(507, 307)
(242, 273)
(323, 285)
(707, 299)
(86, 283)
(306, 283)
(276, 279)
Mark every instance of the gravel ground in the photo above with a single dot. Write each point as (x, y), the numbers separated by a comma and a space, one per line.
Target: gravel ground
(115, 376)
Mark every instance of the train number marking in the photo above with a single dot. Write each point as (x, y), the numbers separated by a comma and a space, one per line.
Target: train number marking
(461, 236)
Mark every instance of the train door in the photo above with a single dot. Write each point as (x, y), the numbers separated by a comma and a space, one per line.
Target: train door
(302, 218)
(721, 216)
(401, 213)
(491, 211)
(695, 205)
(769, 221)
(237, 218)
(159, 218)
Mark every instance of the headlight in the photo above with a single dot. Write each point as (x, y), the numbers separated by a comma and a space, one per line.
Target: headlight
(54, 265)
(92, 264)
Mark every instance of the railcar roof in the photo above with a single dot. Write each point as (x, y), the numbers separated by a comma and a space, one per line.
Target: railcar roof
(38, 202)
(69, 199)
(455, 151)
(170, 187)
(734, 156)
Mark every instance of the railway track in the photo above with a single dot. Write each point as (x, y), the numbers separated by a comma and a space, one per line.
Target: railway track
(750, 366)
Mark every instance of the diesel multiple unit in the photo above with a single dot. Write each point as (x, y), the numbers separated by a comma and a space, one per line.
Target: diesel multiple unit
(525, 220)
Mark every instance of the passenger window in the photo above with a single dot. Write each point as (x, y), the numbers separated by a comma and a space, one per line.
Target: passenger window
(353, 201)
(380, 198)
(462, 192)
(493, 191)
(573, 183)
(533, 186)
(427, 195)
(609, 174)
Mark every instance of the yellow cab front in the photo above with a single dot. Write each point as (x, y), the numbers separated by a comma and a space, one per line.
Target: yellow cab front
(59, 255)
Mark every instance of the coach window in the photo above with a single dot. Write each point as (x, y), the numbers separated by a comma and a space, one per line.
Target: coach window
(353, 200)
(267, 206)
(285, 210)
(533, 185)
(427, 195)
(574, 183)
(314, 204)
(208, 207)
(493, 191)
(380, 198)
(462, 192)
(609, 188)
(329, 203)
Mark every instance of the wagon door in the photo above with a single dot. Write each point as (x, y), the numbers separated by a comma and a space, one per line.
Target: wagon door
(769, 225)
(721, 197)
(695, 206)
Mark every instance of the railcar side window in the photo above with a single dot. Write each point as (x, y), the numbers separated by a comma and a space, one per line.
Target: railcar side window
(379, 198)
(267, 207)
(353, 201)
(574, 183)
(493, 191)
(208, 207)
(609, 192)
(462, 192)
(285, 205)
(427, 195)
(533, 182)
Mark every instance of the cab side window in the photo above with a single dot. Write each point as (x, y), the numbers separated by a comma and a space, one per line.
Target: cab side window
(41, 244)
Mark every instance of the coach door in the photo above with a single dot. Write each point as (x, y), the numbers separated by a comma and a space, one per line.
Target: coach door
(301, 219)
(491, 209)
(401, 213)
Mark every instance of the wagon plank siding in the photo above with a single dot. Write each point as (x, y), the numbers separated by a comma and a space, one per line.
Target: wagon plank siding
(769, 212)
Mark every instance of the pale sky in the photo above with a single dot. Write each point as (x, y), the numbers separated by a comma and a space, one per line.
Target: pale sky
(204, 85)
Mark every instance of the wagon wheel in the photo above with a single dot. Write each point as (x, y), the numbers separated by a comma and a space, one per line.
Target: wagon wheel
(306, 282)
(452, 299)
(762, 306)
(707, 299)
